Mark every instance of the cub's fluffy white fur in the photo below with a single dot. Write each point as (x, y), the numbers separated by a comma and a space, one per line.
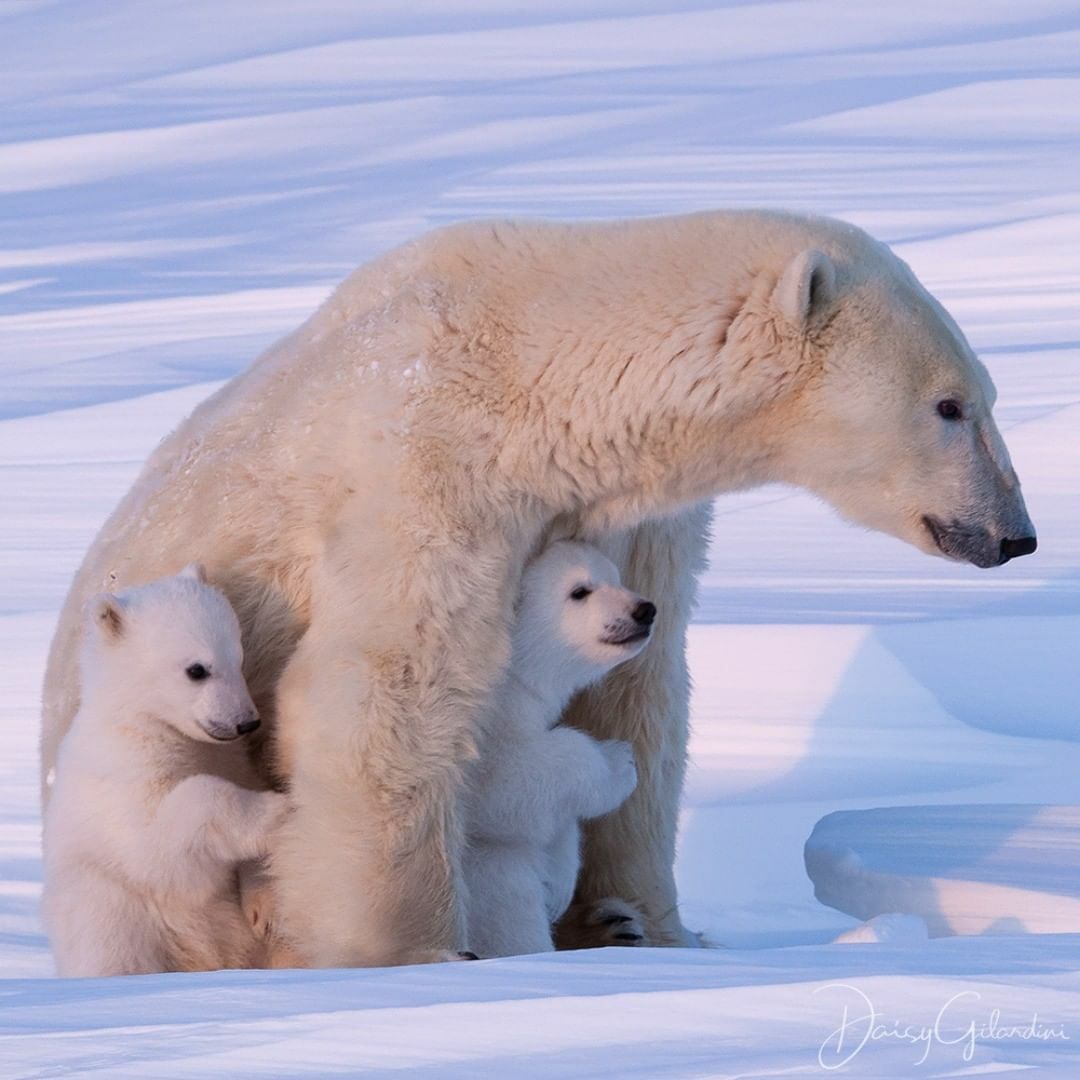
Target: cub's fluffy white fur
(536, 779)
(153, 808)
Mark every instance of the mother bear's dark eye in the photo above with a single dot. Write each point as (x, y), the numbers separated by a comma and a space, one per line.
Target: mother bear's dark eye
(580, 593)
(196, 672)
(950, 410)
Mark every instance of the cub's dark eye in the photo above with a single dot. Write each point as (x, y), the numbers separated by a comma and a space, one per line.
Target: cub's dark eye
(197, 672)
(950, 410)
(580, 593)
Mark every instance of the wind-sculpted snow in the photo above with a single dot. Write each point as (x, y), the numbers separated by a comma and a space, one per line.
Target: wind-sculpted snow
(613, 1012)
(997, 869)
(182, 183)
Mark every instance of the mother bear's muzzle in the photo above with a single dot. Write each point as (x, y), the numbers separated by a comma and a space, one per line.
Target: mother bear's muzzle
(975, 544)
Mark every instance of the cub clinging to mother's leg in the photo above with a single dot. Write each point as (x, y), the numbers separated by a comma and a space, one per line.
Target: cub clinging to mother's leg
(154, 807)
(536, 780)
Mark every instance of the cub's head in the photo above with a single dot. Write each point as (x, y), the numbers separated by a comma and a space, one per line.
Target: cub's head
(170, 650)
(574, 620)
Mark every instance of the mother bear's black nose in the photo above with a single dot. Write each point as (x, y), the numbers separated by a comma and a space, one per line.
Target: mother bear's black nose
(644, 613)
(1013, 549)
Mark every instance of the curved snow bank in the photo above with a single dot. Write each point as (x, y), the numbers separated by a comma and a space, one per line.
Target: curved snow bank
(964, 869)
(1010, 675)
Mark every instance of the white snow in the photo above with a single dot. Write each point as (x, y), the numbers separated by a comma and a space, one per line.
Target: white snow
(182, 183)
(894, 928)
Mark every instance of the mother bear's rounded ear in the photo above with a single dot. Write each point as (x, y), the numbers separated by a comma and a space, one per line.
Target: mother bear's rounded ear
(806, 288)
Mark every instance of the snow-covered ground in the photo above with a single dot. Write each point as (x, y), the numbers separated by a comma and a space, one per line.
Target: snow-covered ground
(181, 183)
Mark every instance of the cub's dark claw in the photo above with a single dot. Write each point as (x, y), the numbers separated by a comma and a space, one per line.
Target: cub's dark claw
(467, 956)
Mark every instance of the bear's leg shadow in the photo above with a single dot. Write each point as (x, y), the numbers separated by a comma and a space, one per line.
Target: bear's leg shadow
(630, 853)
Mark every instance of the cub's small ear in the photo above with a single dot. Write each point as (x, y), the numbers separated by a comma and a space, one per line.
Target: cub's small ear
(196, 571)
(806, 287)
(562, 528)
(107, 615)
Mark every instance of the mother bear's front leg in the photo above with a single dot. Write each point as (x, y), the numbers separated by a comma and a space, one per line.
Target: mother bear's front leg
(377, 715)
(630, 854)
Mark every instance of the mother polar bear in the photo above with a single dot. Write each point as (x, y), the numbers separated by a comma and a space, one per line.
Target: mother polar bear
(368, 491)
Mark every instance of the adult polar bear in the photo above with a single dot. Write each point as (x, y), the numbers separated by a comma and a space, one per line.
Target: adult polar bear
(368, 491)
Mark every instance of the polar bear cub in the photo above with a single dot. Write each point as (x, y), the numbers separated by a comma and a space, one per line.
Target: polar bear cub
(536, 780)
(154, 805)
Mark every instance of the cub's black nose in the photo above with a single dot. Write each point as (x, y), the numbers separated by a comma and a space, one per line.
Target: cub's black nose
(1013, 549)
(248, 726)
(644, 613)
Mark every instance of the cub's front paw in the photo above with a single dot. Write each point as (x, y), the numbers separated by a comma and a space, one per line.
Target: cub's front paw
(272, 808)
(620, 756)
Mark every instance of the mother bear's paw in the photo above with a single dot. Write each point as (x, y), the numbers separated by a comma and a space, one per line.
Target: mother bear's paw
(595, 924)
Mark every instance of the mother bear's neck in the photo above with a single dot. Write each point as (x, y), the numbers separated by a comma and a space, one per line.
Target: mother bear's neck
(612, 421)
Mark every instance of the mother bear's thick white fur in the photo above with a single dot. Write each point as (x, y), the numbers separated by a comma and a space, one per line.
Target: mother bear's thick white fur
(368, 491)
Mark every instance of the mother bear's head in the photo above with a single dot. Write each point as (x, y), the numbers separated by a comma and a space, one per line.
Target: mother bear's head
(892, 424)
(741, 347)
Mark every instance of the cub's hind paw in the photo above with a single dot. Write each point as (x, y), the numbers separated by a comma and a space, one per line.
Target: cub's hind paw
(257, 898)
(440, 956)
